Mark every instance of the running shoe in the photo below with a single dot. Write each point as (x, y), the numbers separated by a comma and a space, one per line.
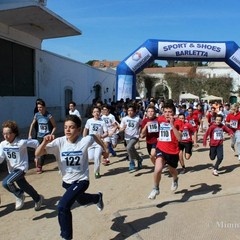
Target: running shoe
(215, 172)
(97, 175)
(105, 161)
(233, 148)
(174, 186)
(39, 203)
(132, 166)
(39, 170)
(114, 154)
(19, 202)
(183, 171)
(100, 204)
(153, 193)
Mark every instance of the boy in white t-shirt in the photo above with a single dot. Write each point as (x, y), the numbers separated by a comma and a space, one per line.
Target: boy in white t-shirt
(95, 125)
(112, 126)
(71, 153)
(73, 110)
(131, 125)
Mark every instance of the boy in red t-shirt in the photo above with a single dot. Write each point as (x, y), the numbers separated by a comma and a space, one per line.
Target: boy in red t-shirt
(167, 151)
(189, 137)
(150, 129)
(215, 131)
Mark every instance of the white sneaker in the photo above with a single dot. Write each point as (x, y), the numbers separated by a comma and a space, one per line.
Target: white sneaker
(154, 193)
(215, 172)
(19, 202)
(174, 186)
(239, 157)
(39, 203)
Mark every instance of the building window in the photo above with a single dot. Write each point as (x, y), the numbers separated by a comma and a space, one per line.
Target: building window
(16, 69)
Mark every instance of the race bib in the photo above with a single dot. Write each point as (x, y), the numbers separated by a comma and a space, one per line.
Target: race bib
(192, 122)
(153, 127)
(13, 155)
(131, 124)
(218, 134)
(71, 161)
(95, 128)
(165, 132)
(185, 135)
(43, 128)
(233, 123)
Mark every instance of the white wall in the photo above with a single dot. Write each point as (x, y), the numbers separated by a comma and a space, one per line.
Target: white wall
(56, 73)
(53, 74)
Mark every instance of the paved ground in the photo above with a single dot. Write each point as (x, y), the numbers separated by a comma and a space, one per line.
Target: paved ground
(203, 207)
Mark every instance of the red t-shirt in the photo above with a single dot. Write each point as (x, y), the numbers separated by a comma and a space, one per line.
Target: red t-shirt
(167, 142)
(198, 113)
(152, 131)
(187, 132)
(211, 117)
(216, 134)
(234, 121)
(193, 120)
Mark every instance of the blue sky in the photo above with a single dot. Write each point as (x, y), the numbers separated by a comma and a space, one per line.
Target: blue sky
(111, 30)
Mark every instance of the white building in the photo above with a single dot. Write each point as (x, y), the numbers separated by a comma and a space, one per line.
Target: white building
(28, 73)
(221, 69)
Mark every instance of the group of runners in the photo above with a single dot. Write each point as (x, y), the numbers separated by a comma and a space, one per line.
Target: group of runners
(170, 138)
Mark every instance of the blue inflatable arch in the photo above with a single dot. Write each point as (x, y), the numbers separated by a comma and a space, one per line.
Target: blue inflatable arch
(153, 49)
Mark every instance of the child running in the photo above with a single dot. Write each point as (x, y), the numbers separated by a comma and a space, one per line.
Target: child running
(14, 150)
(111, 140)
(150, 129)
(96, 125)
(46, 125)
(233, 122)
(215, 131)
(189, 137)
(131, 126)
(72, 156)
(167, 151)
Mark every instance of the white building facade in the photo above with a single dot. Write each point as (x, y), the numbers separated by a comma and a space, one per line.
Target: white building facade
(28, 73)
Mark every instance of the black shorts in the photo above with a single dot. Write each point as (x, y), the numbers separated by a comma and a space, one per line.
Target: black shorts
(171, 159)
(150, 146)
(187, 146)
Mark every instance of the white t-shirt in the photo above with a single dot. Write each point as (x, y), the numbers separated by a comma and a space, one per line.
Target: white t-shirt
(72, 158)
(133, 127)
(75, 112)
(16, 153)
(109, 121)
(96, 126)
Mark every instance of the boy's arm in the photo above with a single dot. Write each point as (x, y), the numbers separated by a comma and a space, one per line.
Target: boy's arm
(40, 150)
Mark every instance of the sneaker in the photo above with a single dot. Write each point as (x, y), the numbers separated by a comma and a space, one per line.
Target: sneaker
(140, 164)
(39, 203)
(233, 148)
(174, 186)
(183, 171)
(215, 172)
(105, 161)
(154, 193)
(100, 204)
(239, 157)
(114, 154)
(97, 175)
(19, 202)
(39, 170)
(131, 166)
